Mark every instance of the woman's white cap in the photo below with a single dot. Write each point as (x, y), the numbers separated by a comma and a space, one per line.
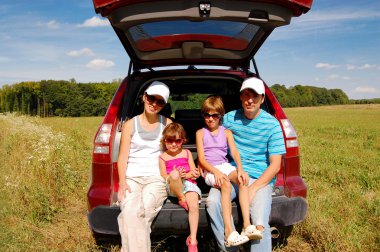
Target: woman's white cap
(255, 84)
(159, 88)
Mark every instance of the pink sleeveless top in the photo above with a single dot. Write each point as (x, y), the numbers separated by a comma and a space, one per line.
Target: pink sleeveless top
(178, 162)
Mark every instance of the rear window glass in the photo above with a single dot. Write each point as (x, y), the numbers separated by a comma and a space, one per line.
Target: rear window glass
(227, 35)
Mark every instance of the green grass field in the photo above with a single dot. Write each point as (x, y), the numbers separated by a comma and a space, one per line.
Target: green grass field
(45, 164)
(340, 148)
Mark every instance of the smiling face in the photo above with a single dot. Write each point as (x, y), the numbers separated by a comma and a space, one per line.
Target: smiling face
(251, 102)
(153, 103)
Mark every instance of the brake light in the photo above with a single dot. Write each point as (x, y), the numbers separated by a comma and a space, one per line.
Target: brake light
(104, 134)
(290, 132)
(102, 138)
(292, 143)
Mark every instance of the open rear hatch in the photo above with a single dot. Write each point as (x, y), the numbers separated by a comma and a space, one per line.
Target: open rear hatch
(188, 32)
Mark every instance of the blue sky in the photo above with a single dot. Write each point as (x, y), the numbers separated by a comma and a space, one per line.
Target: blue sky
(335, 45)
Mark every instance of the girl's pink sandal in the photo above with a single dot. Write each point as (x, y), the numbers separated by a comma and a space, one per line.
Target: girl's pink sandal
(191, 247)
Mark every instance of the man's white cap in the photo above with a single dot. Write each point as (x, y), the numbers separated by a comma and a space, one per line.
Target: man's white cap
(255, 84)
(159, 88)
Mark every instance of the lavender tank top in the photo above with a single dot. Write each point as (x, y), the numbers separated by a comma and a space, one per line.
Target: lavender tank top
(215, 147)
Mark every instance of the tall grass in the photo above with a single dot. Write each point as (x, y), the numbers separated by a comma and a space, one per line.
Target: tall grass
(44, 168)
(340, 147)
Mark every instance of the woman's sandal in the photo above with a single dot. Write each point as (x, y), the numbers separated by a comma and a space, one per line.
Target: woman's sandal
(191, 247)
(183, 204)
(235, 239)
(252, 233)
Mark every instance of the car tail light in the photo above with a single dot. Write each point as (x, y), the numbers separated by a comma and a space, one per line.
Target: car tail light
(290, 133)
(103, 139)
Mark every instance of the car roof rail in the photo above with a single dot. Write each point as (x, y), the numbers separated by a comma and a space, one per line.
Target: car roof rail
(130, 67)
(255, 66)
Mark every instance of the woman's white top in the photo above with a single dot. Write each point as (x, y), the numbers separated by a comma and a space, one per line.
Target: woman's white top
(145, 150)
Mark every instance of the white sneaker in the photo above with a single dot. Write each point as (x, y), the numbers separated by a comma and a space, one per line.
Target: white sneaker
(235, 239)
(252, 233)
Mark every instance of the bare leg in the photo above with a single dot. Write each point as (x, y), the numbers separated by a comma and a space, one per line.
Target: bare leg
(243, 199)
(226, 207)
(192, 202)
(251, 193)
(175, 183)
(244, 205)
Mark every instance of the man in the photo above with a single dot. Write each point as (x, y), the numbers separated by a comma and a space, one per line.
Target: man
(259, 139)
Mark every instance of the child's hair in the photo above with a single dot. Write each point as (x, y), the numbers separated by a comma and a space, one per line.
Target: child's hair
(171, 130)
(213, 102)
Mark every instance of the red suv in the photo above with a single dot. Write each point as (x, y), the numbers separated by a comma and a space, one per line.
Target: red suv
(197, 48)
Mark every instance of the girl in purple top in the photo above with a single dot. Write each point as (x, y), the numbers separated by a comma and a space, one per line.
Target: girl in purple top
(178, 169)
(212, 142)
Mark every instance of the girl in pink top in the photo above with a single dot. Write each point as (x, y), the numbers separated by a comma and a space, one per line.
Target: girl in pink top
(178, 169)
(212, 142)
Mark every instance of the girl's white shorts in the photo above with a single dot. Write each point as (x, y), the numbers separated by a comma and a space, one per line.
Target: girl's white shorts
(225, 168)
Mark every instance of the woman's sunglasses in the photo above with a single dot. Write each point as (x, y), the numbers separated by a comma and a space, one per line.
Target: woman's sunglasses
(214, 116)
(152, 99)
(171, 141)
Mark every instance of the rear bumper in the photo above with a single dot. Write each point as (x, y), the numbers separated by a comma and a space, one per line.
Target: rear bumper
(287, 211)
(173, 220)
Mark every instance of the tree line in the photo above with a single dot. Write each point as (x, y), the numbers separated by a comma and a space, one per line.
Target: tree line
(57, 98)
(69, 98)
(307, 96)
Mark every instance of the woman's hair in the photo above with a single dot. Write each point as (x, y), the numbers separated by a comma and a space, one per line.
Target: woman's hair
(213, 102)
(171, 130)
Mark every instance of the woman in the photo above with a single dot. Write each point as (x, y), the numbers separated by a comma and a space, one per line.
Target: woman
(141, 187)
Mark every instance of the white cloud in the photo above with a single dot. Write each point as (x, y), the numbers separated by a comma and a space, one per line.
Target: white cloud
(369, 90)
(4, 59)
(99, 64)
(81, 52)
(335, 15)
(350, 67)
(363, 67)
(95, 22)
(51, 24)
(366, 66)
(326, 66)
(346, 78)
(333, 76)
(333, 22)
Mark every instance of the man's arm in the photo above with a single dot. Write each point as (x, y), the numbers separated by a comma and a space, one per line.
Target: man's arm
(269, 173)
